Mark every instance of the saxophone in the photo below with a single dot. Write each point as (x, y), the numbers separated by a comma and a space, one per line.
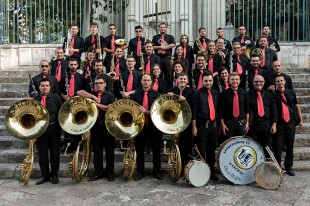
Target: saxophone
(99, 46)
(112, 72)
(200, 48)
(34, 90)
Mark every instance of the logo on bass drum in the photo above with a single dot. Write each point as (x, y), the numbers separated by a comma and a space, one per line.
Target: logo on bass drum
(245, 157)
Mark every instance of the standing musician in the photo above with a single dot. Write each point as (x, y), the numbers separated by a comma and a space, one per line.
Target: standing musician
(220, 48)
(118, 65)
(159, 83)
(214, 60)
(76, 44)
(100, 137)
(188, 52)
(203, 40)
(130, 79)
(179, 56)
(135, 46)
(100, 71)
(222, 84)
(254, 70)
(272, 42)
(74, 82)
(59, 65)
(49, 141)
(220, 35)
(288, 108)
(145, 96)
(177, 69)
(87, 66)
(149, 57)
(163, 48)
(205, 120)
(109, 46)
(273, 73)
(34, 83)
(195, 76)
(245, 41)
(234, 108)
(264, 113)
(268, 55)
(92, 40)
(185, 138)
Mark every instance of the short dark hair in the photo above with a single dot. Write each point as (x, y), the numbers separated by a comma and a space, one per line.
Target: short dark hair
(148, 42)
(266, 26)
(256, 55)
(94, 24)
(91, 49)
(100, 77)
(44, 80)
(74, 24)
(138, 27)
(201, 54)
(220, 28)
(201, 28)
(112, 25)
(261, 37)
(241, 26)
(207, 73)
(131, 57)
(182, 74)
(73, 60)
(98, 61)
(163, 23)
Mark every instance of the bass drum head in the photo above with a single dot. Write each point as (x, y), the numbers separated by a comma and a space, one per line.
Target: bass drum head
(238, 159)
(268, 175)
(197, 173)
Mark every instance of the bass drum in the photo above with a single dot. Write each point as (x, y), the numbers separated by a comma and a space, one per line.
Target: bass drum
(269, 175)
(197, 173)
(238, 158)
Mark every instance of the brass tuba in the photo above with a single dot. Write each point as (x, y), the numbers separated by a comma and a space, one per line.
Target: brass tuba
(124, 120)
(27, 120)
(77, 116)
(171, 116)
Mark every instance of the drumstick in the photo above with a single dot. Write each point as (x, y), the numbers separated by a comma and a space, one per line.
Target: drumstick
(271, 155)
(197, 150)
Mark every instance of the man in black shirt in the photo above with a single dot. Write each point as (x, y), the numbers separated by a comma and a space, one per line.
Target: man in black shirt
(136, 44)
(254, 70)
(195, 76)
(204, 120)
(100, 71)
(44, 67)
(272, 42)
(92, 40)
(245, 41)
(59, 65)
(273, 73)
(145, 96)
(50, 140)
(203, 40)
(287, 108)
(163, 48)
(149, 57)
(268, 55)
(100, 136)
(220, 35)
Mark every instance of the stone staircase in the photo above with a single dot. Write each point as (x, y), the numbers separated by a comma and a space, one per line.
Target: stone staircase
(14, 87)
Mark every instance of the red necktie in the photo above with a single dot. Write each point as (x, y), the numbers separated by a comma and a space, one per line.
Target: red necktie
(44, 76)
(93, 41)
(204, 44)
(71, 86)
(129, 82)
(226, 85)
(155, 86)
(184, 51)
(236, 105)
(181, 93)
(148, 65)
(262, 64)
(256, 72)
(117, 68)
(260, 105)
(211, 106)
(112, 43)
(139, 47)
(200, 79)
(72, 46)
(99, 97)
(239, 67)
(58, 71)
(285, 111)
(163, 40)
(145, 104)
(43, 101)
(210, 66)
(242, 40)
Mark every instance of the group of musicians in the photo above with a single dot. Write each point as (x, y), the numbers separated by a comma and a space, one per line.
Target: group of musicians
(229, 92)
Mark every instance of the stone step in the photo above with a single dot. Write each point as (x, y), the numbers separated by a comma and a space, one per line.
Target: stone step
(305, 108)
(14, 79)
(13, 86)
(302, 140)
(10, 142)
(20, 73)
(14, 94)
(303, 99)
(298, 70)
(301, 84)
(299, 76)
(304, 130)
(2, 119)
(9, 101)
(302, 91)
(301, 153)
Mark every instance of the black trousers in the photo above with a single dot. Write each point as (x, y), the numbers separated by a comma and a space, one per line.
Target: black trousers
(73, 140)
(285, 135)
(186, 145)
(166, 67)
(236, 128)
(260, 132)
(155, 136)
(49, 142)
(207, 132)
(101, 138)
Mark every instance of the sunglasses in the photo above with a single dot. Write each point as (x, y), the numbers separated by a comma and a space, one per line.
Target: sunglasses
(42, 66)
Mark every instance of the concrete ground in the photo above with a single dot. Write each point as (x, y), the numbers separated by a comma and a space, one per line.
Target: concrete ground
(149, 191)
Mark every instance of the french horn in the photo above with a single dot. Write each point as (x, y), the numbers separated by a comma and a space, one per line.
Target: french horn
(76, 116)
(120, 42)
(124, 121)
(27, 120)
(171, 116)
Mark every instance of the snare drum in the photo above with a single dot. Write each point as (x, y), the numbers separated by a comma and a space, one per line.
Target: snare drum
(269, 175)
(238, 158)
(197, 173)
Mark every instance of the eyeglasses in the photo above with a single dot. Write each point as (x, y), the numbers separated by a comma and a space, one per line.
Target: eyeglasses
(236, 47)
(42, 66)
(99, 83)
(138, 31)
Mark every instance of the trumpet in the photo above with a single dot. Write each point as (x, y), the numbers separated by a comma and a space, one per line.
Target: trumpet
(69, 38)
(142, 63)
(112, 72)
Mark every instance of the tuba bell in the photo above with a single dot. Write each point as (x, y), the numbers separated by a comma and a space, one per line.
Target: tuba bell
(77, 116)
(27, 120)
(124, 121)
(171, 116)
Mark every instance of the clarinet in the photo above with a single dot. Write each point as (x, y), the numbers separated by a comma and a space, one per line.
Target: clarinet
(246, 80)
(67, 83)
(122, 83)
(219, 84)
(91, 84)
(231, 67)
(193, 79)
(34, 92)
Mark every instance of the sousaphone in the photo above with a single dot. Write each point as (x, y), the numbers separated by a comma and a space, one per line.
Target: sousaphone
(171, 116)
(77, 116)
(124, 121)
(27, 120)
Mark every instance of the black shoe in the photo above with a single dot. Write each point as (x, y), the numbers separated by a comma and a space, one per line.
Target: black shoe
(157, 176)
(139, 176)
(95, 177)
(111, 178)
(55, 179)
(290, 171)
(42, 180)
(214, 177)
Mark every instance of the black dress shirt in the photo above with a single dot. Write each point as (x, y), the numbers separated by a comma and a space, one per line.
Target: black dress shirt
(79, 83)
(226, 104)
(195, 74)
(136, 80)
(200, 105)
(238, 39)
(270, 41)
(244, 62)
(122, 65)
(185, 62)
(291, 102)
(132, 46)
(154, 59)
(139, 94)
(89, 44)
(64, 67)
(53, 104)
(107, 98)
(196, 49)
(189, 54)
(107, 44)
(162, 85)
(270, 57)
(227, 45)
(187, 93)
(36, 81)
(271, 80)
(217, 62)
(251, 75)
(78, 44)
(106, 78)
(269, 105)
(168, 39)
